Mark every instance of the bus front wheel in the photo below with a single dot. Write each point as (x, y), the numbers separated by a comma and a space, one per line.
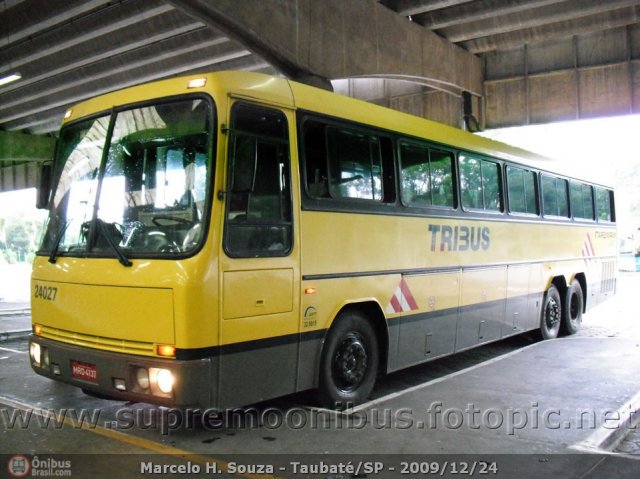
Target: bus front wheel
(349, 363)
(573, 307)
(551, 314)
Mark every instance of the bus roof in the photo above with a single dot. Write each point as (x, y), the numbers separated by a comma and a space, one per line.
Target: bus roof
(291, 94)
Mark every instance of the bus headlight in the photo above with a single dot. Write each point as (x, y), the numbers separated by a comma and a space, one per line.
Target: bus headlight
(142, 378)
(35, 353)
(156, 381)
(165, 380)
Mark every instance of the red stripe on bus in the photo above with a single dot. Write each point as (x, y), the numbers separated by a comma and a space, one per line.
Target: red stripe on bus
(592, 251)
(407, 295)
(395, 304)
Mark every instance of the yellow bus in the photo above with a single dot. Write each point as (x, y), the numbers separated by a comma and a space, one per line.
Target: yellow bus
(220, 239)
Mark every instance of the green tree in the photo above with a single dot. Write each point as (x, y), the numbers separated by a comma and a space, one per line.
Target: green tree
(18, 239)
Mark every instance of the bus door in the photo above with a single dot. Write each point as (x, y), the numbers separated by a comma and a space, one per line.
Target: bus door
(259, 262)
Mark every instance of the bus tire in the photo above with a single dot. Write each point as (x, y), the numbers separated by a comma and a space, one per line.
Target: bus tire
(573, 307)
(349, 363)
(551, 315)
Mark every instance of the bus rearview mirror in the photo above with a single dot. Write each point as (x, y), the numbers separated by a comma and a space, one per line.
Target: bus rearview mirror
(44, 186)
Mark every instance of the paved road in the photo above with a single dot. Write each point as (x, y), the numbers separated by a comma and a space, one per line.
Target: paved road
(530, 408)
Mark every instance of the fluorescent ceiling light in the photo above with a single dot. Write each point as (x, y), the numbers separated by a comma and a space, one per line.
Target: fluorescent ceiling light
(10, 78)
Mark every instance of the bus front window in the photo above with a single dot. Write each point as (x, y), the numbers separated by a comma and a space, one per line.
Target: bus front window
(146, 195)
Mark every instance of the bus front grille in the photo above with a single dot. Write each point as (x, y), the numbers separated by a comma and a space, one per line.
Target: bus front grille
(98, 342)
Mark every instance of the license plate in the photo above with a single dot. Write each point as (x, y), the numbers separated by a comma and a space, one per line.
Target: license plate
(85, 371)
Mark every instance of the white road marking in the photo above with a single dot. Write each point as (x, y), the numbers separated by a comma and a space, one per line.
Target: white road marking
(394, 395)
(12, 350)
(440, 379)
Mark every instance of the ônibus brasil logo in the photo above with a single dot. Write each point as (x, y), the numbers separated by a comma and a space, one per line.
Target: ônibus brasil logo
(19, 466)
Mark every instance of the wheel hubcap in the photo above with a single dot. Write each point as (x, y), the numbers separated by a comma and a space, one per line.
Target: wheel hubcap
(553, 313)
(350, 362)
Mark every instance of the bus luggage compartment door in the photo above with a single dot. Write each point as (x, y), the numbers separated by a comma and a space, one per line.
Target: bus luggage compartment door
(482, 306)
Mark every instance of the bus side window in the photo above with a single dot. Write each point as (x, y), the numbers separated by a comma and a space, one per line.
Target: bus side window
(491, 186)
(258, 207)
(555, 196)
(315, 157)
(604, 205)
(581, 201)
(562, 188)
(441, 165)
(355, 164)
(587, 198)
(521, 188)
(480, 184)
(347, 162)
(426, 176)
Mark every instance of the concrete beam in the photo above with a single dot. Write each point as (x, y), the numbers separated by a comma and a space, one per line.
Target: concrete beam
(576, 94)
(21, 21)
(165, 58)
(313, 41)
(555, 31)
(48, 120)
(474, 12)
(586, 76)
(89, 40)
(563, 95)
(416, 7)
(533, 18)
(118, 22)
(20, 147)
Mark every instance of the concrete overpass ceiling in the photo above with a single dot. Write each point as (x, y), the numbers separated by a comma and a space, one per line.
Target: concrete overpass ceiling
(482, 26)
(544, 60)
(68, 51)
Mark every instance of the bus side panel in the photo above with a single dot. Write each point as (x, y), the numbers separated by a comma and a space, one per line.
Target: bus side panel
(323, 300)
(253, 375)
(429, 331)
(309, 361)
(425, 336)
(536, 293)
(482, 306)
(311, 344)
(517, 318)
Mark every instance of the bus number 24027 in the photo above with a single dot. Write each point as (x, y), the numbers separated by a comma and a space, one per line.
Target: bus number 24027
(45, 292)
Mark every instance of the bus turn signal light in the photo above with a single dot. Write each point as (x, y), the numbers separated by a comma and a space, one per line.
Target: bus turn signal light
(166, 350)
(37, 329)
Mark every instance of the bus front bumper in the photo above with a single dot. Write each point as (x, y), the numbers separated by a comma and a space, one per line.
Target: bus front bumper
(126, 377)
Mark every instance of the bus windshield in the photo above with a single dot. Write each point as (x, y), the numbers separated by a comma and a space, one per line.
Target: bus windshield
(133, 183)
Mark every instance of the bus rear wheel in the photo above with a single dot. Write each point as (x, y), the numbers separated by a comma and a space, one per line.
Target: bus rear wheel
(573, 307)
(551, 314)
(349, 363)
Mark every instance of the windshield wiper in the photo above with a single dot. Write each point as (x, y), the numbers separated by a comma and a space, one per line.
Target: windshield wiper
(124, 261)
(56, 244)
